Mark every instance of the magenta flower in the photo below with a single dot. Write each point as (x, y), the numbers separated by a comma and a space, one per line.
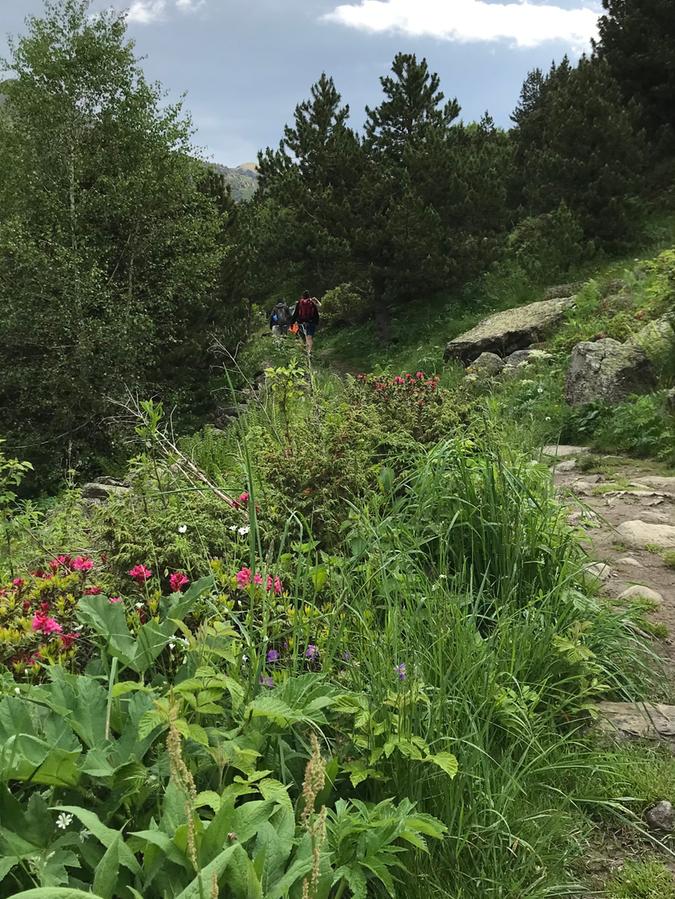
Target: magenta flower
(278, 586)
(399, 380)
(114, 600)
(81, 563)
(67, 640)
(244, 578)
(140, 574)
(244, 497)
(258, 580)
(273, 656)
(18, 583)
(93, 591)
(420, 376)
(45, 624)
(177, 581)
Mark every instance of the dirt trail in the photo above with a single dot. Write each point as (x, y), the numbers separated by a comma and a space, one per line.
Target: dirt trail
(605, 497)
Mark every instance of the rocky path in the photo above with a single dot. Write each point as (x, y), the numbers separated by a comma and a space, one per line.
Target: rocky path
(627, 514)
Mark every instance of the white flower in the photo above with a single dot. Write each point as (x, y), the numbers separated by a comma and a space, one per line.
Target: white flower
(548, 418)
(233, 527)
(84, 835)
(182, 528)
(172, 646)
(64, 820)
(244, 658)
(139, 605)
(17, 690)
(540, 390)
(243, 531)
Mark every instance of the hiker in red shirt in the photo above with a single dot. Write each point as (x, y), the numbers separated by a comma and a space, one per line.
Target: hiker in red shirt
(306, 315)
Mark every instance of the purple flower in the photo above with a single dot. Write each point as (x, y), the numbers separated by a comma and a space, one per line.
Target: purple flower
(266, 681)
(401, 671)
(273, 656)
(312, 652)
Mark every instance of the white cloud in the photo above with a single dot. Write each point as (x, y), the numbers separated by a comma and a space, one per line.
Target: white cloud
(145, 12)
(525, 23)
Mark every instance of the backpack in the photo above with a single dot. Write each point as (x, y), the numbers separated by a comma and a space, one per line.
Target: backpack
(307, 311)
(282, 314)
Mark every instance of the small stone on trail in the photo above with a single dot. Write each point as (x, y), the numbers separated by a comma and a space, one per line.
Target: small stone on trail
(628, 560)
(567, 465)
(599, 571)
(637, 591)
(642, 534)
(661, 817)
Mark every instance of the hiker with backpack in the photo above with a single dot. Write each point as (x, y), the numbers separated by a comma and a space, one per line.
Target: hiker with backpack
(306, 315)
(280, 319)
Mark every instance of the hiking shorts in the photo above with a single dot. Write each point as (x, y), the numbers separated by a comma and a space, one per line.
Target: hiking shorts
(308, 329)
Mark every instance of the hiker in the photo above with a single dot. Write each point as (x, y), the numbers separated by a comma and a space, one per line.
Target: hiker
(280, 318)
(306, 315)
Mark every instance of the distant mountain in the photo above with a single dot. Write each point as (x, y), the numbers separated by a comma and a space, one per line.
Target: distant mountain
(243, 180)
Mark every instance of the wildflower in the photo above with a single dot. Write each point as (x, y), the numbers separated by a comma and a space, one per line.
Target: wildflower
(182, 529)
(17, 690)
(401, 671)
(258, 579)
(93, 591)
(312, 652)
(420, 376)
(81, 563)
(278, 586)
(45, 624)
(244, 497)
(18, 583)
(266, 681)
(172, 646)
(139, 605)
(64, 820)
(140, 574)
(243, 531)
(84, 835)
(399, 380)
(114, 600)
(540, 389)
(243, 577)
(67, 640)
(177, 581)
(273, 656)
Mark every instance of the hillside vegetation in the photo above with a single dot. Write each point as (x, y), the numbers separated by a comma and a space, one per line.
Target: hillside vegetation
(282, 627)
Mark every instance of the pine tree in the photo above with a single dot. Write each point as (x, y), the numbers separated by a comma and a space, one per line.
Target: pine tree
(637, 38)
(411, 112)
(578, 142)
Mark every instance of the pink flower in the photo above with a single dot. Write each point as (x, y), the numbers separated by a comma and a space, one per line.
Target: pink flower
(258, 580)
(93, 591)
(177, 581)
(244, 578)
(244, 498)
(18, 583)
(399, 380)
(45, 624)
(114, 600)
(140, 574)
(420, 376)
(67, 640)
(278, 586)
(81, 563)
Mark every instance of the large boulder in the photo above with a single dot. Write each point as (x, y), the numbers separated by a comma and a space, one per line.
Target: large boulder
(657, 338)
(644, 534)
(607, 371)
(508, 331)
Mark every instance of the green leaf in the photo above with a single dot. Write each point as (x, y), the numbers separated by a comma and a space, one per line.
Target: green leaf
(107, 870)
(201, 885)
(55, 893)
(446, 761)
(103, 834)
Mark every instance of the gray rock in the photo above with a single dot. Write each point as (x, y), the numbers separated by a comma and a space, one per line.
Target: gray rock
(629, 560)
(103, 489)
(508, 331)
(661, 484)
(670, 400)
(657, 338)
(637, 591)
(563, 450)
(608, 371)
(629, 721)
(567, 465)
(524, 357)
(560, 291)
(598, 571)
(642, 534)
(487, 365)
(661, 817)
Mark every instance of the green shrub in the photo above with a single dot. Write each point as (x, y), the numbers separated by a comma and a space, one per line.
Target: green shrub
(346, 304)
(639, 427)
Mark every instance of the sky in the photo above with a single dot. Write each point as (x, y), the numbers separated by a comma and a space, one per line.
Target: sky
(245, 64)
